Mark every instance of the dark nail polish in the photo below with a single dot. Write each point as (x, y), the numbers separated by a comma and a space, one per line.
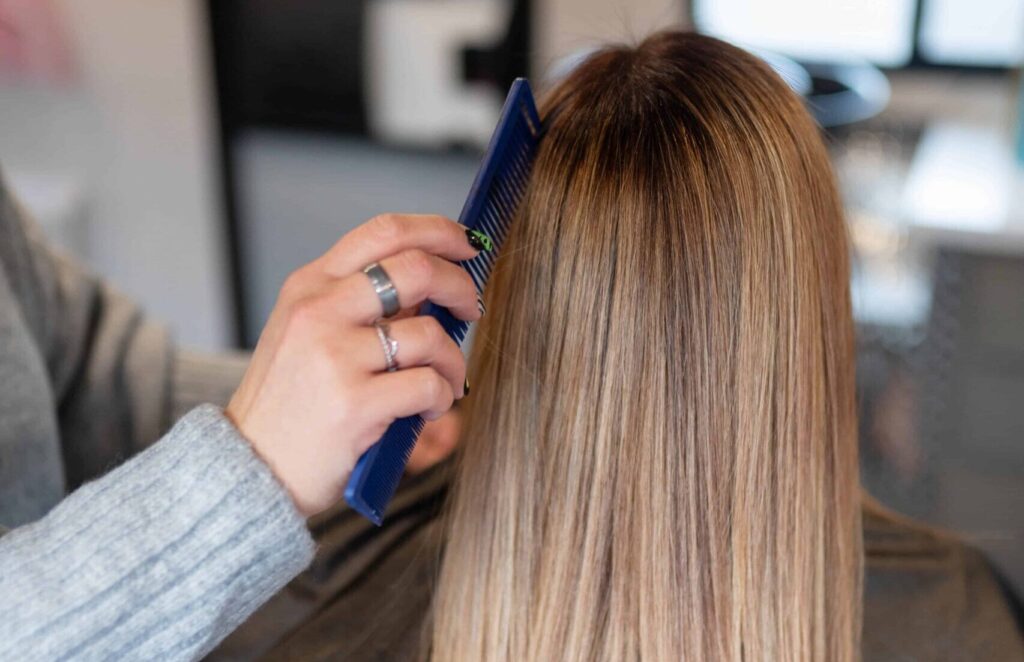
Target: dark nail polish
(465, 388)
(479, 240)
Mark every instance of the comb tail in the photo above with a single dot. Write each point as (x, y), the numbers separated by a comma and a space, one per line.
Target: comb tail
(392, 450)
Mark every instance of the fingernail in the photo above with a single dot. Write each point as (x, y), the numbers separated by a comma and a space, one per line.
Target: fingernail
(479, 240)
(480, 305)
(465, 388)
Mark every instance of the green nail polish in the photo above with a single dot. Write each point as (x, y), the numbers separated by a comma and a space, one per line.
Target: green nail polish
(479, 240)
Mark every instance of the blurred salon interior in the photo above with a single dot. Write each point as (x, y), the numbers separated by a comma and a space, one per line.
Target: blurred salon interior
(195, 152)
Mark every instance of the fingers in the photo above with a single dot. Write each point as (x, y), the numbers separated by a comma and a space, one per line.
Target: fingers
(421, 342)
(388, 234)
(411, 391)
(417, 276)
(437, 441)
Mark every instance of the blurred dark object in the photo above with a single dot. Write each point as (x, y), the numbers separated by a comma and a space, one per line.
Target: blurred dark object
(296, 64)
(506, 60)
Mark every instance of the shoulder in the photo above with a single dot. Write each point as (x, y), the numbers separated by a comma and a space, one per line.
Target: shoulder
(930, 596)
(367, 592)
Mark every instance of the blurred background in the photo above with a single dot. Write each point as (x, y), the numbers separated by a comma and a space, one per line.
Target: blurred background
(195, 152)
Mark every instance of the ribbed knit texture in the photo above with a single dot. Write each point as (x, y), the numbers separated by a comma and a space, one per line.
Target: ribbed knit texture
(159, 559)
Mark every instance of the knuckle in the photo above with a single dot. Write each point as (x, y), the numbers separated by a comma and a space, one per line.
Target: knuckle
(418, 265)
(303, 312)
(293, 284)
(386, 227)
(432, 332)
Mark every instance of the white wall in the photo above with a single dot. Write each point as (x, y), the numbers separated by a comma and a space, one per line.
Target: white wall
(562, 27)
(134, 134)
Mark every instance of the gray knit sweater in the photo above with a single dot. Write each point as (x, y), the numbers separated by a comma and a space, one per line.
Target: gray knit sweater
(161, 557)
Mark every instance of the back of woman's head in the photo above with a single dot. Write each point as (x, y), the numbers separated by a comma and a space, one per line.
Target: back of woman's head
(659, 458)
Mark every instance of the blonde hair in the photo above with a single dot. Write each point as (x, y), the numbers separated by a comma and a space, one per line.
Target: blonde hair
(659, 459)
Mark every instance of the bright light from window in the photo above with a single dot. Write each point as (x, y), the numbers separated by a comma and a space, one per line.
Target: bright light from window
(880, 31)
(978, 32)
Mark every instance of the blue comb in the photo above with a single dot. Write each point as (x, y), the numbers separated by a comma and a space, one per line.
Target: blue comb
(497, 190)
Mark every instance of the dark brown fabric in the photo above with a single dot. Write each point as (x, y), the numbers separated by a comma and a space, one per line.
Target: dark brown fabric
(367, 592)
(928, 596)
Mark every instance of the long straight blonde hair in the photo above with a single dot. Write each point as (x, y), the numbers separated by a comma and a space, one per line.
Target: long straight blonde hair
(659, 459)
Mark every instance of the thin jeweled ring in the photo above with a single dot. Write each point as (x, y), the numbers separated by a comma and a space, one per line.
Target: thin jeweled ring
(389, 344)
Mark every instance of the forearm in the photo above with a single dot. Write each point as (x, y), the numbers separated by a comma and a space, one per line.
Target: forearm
(160, 559)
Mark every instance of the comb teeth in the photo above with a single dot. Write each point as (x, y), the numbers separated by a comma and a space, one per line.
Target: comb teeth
(386, 459)
(499, 186)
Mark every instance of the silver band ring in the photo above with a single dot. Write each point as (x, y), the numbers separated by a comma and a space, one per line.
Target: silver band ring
(389, 344)
(384, 288)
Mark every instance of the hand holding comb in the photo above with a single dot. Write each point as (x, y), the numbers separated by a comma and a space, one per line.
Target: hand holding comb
(497, 190)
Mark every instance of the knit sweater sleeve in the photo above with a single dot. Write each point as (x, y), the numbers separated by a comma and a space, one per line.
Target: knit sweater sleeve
(159, 559)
